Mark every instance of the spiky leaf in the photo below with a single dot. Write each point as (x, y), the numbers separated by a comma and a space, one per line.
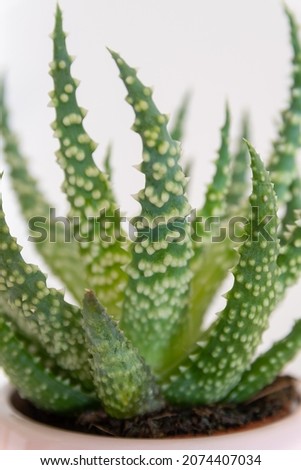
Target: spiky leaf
(283, 166)
(107, 162)
(88, 189)
(177, 130)
(157, 293)
(61, 257)
(218, 362)
(124, 383)
(56, 324)
(215, 199)
(289, 260)
(208, 276)
(292, 209)
(240, 169)
(24, 325)
(267, 366)
(36, 376)
(206, 280)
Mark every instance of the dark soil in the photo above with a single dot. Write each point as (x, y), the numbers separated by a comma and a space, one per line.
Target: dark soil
(276, 401)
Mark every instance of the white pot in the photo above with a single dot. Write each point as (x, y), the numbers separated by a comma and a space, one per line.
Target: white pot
(19, 432)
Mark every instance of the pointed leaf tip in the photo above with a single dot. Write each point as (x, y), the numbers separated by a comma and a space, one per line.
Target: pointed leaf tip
(246, 124)
(227, 110)
(58, 14)
(58, 24)
(286, 8)
(88, 294)
(90, 301)
(247, 143)
(257, 165)
(113, 53)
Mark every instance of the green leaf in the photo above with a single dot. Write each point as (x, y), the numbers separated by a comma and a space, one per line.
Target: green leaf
(87, 188)
(267, 366)
(208, 277)
(294, 32)
(56, 324)
(228, 346)
(292, 208)
(37, 377)
(123, 381)
(61, 257)
(283, 165)
(177, 130)
(107, 162)
(215, 199)
(24, 325)
(155, 306)
(289, 260)
(240, 169)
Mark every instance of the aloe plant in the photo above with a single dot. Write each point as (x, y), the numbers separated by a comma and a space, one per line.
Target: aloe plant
(134, 340)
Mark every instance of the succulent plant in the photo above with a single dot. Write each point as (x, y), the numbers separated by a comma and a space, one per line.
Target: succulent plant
(135, 338)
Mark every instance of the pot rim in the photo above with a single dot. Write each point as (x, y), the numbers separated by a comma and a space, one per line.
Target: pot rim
(284, 433)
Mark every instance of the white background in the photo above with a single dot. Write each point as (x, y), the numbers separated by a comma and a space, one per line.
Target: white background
(235, 49)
